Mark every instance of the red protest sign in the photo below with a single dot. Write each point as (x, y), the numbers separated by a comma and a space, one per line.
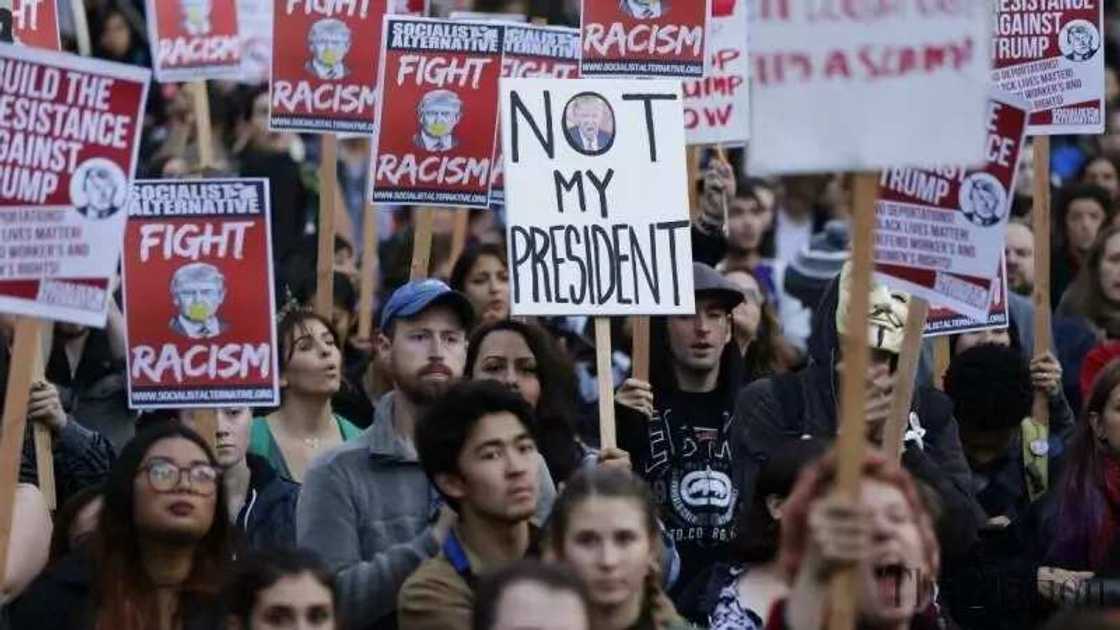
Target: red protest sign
(194, 39)
(534, 51)
(198, 294)
(324, 65)
(436, 134)
(941, 232)
(945, 321)
(35, 24)
(64, 174)
(1052, 54)
(644, 38)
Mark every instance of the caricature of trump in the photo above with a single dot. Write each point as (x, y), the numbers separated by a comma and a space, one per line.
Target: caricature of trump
(329, 41)
(198, 290)
(643, 9)
(439, 112)
(196, 16)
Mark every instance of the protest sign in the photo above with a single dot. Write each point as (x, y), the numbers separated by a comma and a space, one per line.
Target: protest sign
(488, 17)
(861, 88)
(255, 18)
(534, 51)
(324, 65)
(945, 321)
(716, 106)
(198, 294)
(644, 38)
(1051, 52)
(69, 134)
(415, 8)
(941, 232)
(194, 40)
(435, 139)
(597, 200)
(29, 23)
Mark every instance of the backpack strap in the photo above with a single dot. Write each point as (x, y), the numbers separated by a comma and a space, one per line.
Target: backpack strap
(457, 556)
(1035, 439)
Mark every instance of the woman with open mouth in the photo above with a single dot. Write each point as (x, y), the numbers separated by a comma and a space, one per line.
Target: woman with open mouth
(887, 535)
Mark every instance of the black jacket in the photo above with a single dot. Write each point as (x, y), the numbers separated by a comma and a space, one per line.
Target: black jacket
(267, 519)
(61, 598)
(773, 410)
(82, 458)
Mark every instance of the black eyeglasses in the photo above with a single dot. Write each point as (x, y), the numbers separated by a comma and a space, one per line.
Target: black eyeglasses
(165, 476)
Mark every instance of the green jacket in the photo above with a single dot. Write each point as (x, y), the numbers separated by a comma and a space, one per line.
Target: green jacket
(263, 443)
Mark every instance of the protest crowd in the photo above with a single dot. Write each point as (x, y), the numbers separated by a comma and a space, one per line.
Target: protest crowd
(407, 402)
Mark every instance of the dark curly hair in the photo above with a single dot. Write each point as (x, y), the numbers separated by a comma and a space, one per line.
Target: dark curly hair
(990, 386)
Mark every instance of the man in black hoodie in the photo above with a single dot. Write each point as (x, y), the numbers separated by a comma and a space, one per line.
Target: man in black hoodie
(677, 427)
(262, 504)
(772, 410)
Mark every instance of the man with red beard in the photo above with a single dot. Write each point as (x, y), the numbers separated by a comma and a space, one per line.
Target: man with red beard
(367, 507)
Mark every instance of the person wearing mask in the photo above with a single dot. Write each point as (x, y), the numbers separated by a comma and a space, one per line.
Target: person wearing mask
(159, 553)
(476, 446)
(737, 595)
(886, 535)
(604, 527)
(530, 595)
(310, 374)
(805, 403)
(281, 590)
(1082, 211)
(677, 428)
(261, 503)
(367, 508)
(482, 275)
(1019, 252)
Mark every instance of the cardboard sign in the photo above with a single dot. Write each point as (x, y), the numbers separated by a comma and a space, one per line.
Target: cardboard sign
(69, 133)
(716, 108)
(255, 17)
(644, 38)
(857, 88)
(194, 39)
(534, 51)
(435, 140)
(597, 197)
(1052, 54)
(324, 65)
(941, 232)
(30, 23)
(945, 321)
(198, 294)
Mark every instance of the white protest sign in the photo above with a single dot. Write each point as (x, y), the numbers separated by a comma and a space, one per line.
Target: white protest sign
(597, 197)
(716, 106)
(868, 86)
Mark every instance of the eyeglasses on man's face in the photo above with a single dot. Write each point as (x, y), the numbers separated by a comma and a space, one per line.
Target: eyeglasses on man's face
(165, 475)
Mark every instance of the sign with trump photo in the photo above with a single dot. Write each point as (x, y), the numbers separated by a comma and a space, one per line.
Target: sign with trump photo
(198, 294)
(596, 197)
(194, 39)
(644, 38)
(436, 134)
(70, 130)
(324, 65)
(941, 232)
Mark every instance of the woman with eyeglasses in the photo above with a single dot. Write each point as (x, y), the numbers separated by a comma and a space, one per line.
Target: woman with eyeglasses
(157, 558)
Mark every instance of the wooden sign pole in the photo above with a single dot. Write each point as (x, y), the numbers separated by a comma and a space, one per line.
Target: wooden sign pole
(202, 124)
(20, 376)
(81, 29)
(206, 423)
(44, 450)
(604, 372)
(639, 355)
(328, 181)
(693, 177)
(459, 233)
(899, 417)
(1043, 333)
(851, 441)
(421, 244)
(940, 360)
(369, 271)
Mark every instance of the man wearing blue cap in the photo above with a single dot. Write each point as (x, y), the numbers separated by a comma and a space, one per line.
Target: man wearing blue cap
(366, 507)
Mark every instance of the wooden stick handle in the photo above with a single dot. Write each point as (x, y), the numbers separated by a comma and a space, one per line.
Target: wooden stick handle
(640, 350)
(20, 375)
(693, 177)
(328, 181)
(369, 271)
(81, 27)
(459, 233)
(421, 244)
(202, 124)
(605, 373)
(940, 360)
(851, 440)
(1043, 333)
(44, 449)
(899, 417)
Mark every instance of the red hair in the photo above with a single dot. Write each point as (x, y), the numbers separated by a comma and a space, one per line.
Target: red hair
(816, 480)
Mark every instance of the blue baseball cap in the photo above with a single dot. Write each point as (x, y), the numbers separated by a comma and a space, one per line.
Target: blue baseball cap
(411, 299)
